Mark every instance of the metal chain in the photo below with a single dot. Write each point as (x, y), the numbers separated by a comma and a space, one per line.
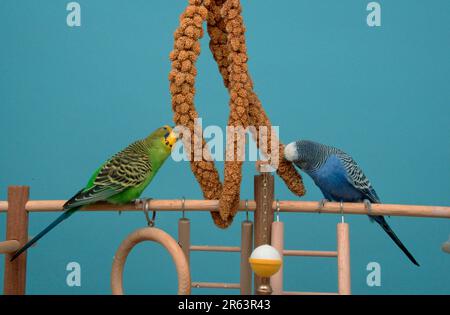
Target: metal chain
(265, 208)
(246, 209)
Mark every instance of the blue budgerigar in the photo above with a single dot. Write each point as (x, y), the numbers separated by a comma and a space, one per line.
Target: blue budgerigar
(339, 178)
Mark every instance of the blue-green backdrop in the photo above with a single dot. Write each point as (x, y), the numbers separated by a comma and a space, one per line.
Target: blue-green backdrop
(71, 97)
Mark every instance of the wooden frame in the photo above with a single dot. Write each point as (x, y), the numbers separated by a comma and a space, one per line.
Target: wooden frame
(18, 206)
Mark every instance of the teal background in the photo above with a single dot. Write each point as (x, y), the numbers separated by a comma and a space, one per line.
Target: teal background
(72, 97)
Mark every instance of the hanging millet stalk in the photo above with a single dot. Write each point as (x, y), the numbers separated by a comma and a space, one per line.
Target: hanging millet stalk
(226, 30)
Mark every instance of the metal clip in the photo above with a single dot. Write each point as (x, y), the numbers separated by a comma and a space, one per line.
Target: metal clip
(145, 206)
(278, 210)
(183, 205)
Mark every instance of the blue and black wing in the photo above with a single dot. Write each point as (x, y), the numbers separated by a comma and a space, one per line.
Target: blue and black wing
(357, 178)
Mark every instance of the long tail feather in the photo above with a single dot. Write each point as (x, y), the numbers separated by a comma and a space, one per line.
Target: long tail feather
(61, 218)
(382, 222)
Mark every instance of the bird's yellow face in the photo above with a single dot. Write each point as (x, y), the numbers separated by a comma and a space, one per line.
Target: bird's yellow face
(170, 137)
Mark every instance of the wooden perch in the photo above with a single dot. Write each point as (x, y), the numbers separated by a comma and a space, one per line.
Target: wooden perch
(285, 206)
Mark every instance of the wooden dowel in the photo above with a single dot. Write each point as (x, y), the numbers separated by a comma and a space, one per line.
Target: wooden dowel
(285, 206)
(446, 247)
(343, 259)
(3, 206)
(184, 237)
(10, 246)
(246, 251)
(359, 208)
(276, 281)
(16, 229)
(309, 253)
(264, 192)
(154, 204)
(309, 293)
(208, 248)
(215, 285)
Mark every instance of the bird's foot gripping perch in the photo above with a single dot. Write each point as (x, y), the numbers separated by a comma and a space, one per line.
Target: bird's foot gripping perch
(368, 206)
(322, 205)
(144, 203)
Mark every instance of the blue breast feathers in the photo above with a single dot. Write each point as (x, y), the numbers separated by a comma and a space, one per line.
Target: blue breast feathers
(332, 180)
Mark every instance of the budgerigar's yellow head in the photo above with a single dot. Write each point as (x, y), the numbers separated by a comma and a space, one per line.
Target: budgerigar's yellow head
(165, 135)
(170, 137)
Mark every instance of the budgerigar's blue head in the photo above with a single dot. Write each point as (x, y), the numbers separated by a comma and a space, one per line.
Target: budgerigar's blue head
(307, 155)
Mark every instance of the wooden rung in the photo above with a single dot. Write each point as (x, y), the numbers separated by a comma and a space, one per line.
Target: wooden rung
(309, 293)
(309, 253)
(8, 247)
(207, 248)
(215, 285)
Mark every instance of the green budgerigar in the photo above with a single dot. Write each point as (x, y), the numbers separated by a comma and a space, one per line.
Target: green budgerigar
(121, 179)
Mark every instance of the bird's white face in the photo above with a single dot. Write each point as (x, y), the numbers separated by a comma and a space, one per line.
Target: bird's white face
(290, 152)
